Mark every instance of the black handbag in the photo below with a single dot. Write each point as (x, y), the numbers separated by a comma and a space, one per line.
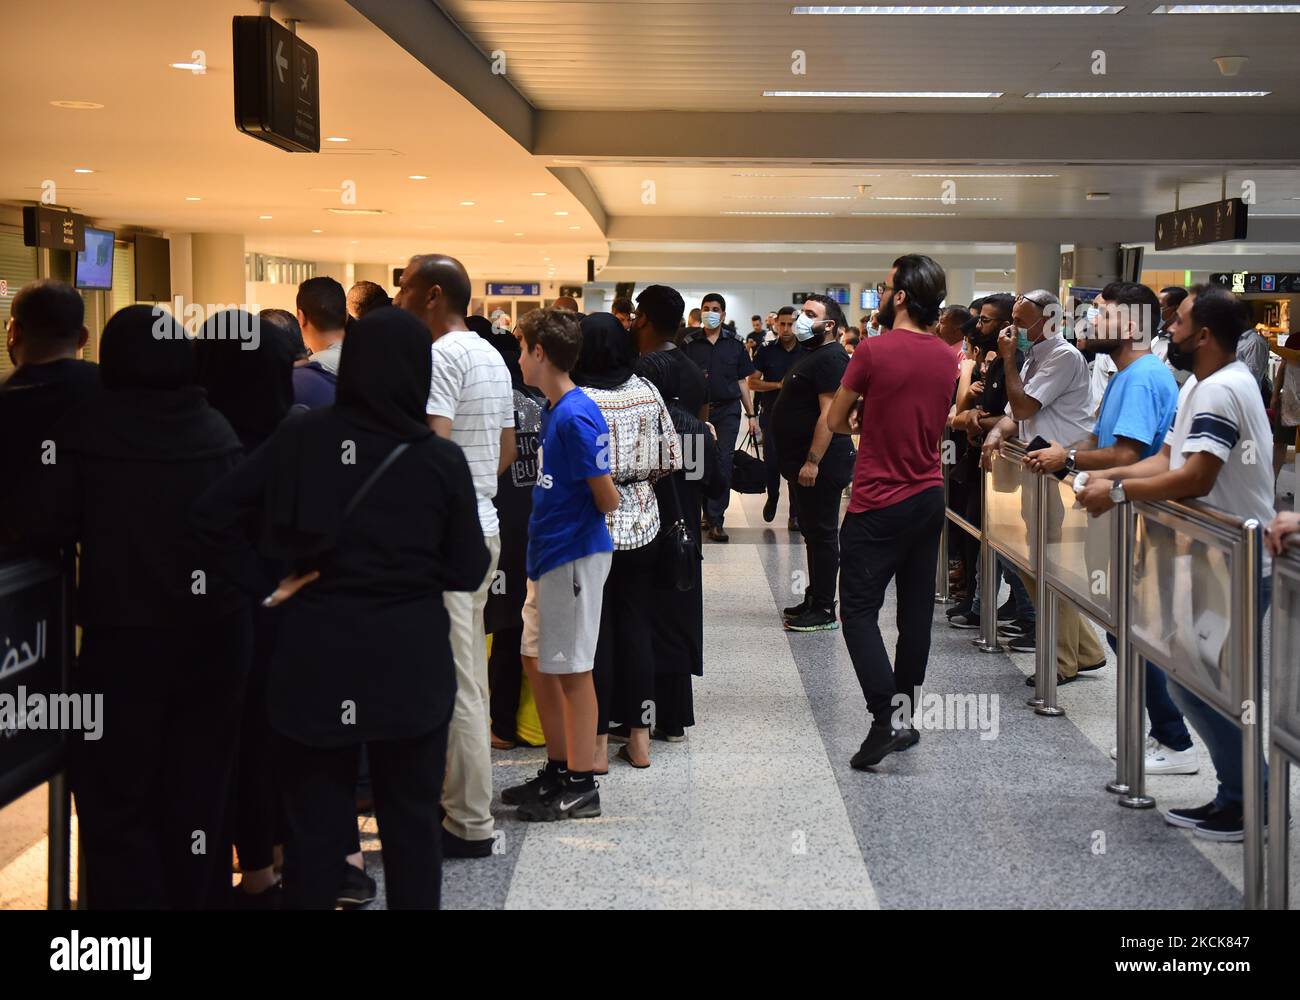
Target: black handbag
(680, 553)
(748, 473)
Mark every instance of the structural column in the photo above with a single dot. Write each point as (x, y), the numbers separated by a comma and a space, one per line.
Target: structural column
(1038, 265)
(961, 286)
(217, 260)
(380, 274)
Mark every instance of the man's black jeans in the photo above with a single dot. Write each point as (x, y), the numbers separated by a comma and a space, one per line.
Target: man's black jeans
(818, 510)
(899, 542)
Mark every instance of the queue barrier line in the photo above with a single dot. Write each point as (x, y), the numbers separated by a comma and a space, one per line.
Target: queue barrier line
(1208, 562)
(1284, 722)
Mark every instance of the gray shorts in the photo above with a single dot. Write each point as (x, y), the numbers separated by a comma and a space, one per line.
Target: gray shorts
(562, 615)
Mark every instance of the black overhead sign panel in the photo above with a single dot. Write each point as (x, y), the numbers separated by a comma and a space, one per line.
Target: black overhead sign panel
(277, 85)
(1191, 227)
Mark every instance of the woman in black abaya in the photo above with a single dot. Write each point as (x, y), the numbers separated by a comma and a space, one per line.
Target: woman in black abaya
(378, 517)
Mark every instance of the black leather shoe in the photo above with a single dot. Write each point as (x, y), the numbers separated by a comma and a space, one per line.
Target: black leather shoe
(716, 534)
(458, 847)
(881, 741)
(910, 738)
(793, 525)
(769, 509)
(1060, 679)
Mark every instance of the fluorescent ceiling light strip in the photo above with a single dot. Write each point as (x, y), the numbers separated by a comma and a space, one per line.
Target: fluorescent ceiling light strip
(776, 213)
(1088, 95)
(900, 197)
(1228, 8)
(952, 11)
(909, 215)
(883, 94)
(986, 175)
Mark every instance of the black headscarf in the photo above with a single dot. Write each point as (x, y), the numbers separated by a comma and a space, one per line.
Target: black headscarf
(246, 366)
(661, 371)
(288, 323)
(605, 361)
(151, 409)
(505, 344)
(383, 384)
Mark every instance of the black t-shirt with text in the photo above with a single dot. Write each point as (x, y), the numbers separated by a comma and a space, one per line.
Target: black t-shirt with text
(798, 408)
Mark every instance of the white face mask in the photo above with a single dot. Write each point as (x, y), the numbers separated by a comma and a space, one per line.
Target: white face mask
(712, 320)
(803, 327)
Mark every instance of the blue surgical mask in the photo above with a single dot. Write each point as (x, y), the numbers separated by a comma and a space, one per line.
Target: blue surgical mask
(803, 327)
(1022, 338)
(712, 320)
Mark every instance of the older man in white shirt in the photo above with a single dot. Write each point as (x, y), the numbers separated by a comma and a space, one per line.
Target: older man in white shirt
(1049, 397)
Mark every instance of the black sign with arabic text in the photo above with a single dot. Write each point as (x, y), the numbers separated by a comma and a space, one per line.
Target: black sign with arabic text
(1212, 223)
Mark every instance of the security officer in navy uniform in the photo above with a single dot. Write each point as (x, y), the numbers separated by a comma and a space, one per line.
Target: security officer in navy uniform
(727, 367)
(771, 363)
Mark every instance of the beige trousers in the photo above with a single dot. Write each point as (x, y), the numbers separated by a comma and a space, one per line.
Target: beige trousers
(1077, 644)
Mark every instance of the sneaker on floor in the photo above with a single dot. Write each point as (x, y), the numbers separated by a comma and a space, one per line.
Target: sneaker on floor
(1189, 819)
(668, 735)
(958, 609)
(795, 610)
(1149, 746)
(1023, 643)
(1166, 760)
(358, 888)
(1226, 826)
(813, 620)
(1031, 680)
(531, 790)
(969, 620)
(881, 741)
(793, 525)
(1015, 629)
(563, 803)
(769, 509)
(459, 847)
(1007, 613)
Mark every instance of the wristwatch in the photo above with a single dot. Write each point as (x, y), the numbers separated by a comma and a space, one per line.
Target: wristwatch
(1080, 481)
(1117, 494)
(1069, 459)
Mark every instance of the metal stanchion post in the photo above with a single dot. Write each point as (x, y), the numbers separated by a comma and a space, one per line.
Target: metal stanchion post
(988, 577)
(941, 583)
(1279, 863)
(59, 837)
(1252, 741)
(1121, 567)
(1044, 700)
(1135, 757)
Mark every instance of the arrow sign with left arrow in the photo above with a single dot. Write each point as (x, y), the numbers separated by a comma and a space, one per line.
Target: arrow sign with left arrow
(277, 85)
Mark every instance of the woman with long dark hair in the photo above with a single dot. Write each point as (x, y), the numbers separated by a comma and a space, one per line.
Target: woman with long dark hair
(643, 447)
(377, 516)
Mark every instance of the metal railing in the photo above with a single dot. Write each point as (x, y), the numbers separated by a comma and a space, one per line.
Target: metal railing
(1177, 585)
(1284, 722)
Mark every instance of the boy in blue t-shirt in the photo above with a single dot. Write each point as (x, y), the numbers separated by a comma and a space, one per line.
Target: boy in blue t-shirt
(569, 552)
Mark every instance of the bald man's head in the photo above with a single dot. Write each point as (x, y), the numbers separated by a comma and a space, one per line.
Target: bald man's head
(436, 288)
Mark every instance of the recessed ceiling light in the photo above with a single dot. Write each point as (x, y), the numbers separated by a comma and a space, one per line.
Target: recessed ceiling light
(1228, 8)
(945, 11)
(575, 227)
(193, 198)
(354, 241)
(1088, 95)
(899, 197)
(264, 216)
(467, 204)
(357, 211)
(561, 213)
(337, 138)
(318, 230)
(77, 105)
(986, 175)
(539, 194)
(417, 177)
(82, 170)
(883, 94)
(193, 67)
(499, 221)
(519, 234)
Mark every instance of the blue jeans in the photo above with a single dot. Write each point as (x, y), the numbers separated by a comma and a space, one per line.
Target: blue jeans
(1167, 723)
(1019, 594)
(1223, 738)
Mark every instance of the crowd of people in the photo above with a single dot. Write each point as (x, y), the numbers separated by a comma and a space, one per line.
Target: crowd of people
(291, 557)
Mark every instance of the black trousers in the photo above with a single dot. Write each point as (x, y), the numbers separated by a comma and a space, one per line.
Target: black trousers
(818, 510)
(505, 681)
(770, 460)
(899, 543)
(256, 804)
(624, 669)
(153, 792)
(725, 418)
(319, 787)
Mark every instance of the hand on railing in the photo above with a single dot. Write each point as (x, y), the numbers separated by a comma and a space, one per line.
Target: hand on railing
(991, 449)
(1284, 529)
(1049, 459)
(1095, 496)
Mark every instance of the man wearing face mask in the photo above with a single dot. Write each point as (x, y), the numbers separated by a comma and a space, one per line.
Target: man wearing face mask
(727, 366)
(772, 362)
(1212, 453)
(817, 463)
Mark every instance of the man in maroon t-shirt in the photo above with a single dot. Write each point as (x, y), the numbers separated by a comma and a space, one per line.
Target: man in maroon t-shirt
(904, 380)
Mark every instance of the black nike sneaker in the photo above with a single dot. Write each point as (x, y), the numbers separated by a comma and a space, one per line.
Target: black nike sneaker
(560, 803)
(532, 789)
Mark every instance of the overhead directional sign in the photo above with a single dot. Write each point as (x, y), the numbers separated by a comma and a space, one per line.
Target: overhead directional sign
(277, 85)
(1249, 282)
(1212, 223)
(515, 290)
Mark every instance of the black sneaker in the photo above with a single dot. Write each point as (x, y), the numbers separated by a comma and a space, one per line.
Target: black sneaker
(358, 888)
(793, 525)
(1031, 680)
(459, 847)
(909, 738)
(813, 620)
(1007, 613)
(1226, 826)
(1189, 819)
(968, 620)
(531, 790)
(716, 534)
(1023, 643)
(794, 611)
(769, 509)
(881, 741)
(1010, 630)
(668, 735)
(958, 609)
(563, 803)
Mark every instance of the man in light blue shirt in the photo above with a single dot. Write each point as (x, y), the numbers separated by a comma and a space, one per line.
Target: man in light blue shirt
(1136, 413)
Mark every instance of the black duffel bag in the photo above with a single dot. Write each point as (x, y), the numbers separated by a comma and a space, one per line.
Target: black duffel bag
(748, 473)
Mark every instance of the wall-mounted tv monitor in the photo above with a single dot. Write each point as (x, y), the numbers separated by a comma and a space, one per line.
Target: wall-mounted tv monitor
(870, 298)
(153, 269)
(94, 268)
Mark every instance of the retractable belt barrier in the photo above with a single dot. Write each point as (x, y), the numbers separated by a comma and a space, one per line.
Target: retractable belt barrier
(36, 649)
(1177, 584)
(1284, 721)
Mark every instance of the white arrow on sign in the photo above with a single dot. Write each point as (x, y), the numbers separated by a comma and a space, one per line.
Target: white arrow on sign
(281, 63)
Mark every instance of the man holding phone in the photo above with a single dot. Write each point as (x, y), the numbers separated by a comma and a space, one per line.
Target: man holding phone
(1048, 398)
